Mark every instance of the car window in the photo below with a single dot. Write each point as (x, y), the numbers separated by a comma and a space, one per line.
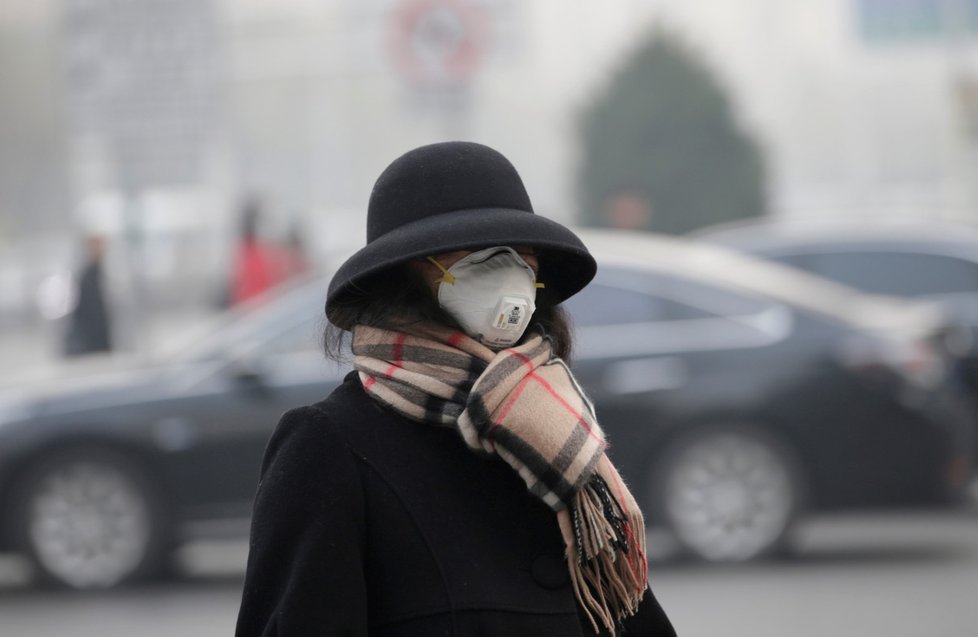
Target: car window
(303, 337)
(896, 273)
(685, 299)
(641, 311)
(600, 304)
(800, 261)
(620, 296)
(249, 328)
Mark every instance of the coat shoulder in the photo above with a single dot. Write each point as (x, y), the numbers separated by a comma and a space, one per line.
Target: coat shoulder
(338, 417)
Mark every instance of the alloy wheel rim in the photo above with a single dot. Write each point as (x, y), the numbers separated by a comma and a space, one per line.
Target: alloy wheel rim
(89, 525)
(729, 497)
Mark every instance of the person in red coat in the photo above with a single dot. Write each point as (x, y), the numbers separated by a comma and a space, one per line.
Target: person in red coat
(256, 265)
(456, 483)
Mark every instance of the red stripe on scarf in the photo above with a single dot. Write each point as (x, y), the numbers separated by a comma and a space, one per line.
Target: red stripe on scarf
(398, 353)
(516, 393)
(509, 404)
(512, 399)
(550, 389)
(399, 348)
(367, 384)
(455, 339)
(569, 408)
(526, 361)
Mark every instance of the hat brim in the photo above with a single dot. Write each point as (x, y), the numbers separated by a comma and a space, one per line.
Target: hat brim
(566, 266)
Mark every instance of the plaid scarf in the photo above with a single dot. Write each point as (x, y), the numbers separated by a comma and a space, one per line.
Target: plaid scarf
(523, 405)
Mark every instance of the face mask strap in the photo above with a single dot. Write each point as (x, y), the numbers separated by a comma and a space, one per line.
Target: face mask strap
(446, 276)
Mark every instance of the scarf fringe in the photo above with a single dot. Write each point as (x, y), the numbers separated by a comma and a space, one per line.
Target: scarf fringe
(606, 560)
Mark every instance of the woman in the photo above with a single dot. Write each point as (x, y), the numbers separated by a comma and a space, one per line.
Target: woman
(456, 482)
(90, 327)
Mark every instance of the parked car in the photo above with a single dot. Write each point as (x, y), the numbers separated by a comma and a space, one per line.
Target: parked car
(737, 395)
(922, 260)
(103, 473)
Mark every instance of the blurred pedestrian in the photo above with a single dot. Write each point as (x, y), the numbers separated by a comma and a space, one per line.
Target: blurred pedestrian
(293, 258)
(255, 266)
(457, 481)
(628, 209)
(89, 325)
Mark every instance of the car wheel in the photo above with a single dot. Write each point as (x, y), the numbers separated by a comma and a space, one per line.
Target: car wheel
(729, 494)
(89, 519)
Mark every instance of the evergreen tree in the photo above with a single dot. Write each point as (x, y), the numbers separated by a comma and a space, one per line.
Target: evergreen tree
(661, 150)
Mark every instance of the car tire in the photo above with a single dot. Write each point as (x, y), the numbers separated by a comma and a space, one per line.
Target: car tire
(729, 493)
(90, 519)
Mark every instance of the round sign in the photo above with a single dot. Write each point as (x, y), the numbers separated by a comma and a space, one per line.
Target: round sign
(437, 41)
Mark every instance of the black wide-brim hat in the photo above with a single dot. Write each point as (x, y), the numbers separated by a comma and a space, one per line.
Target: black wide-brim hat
(456, 196)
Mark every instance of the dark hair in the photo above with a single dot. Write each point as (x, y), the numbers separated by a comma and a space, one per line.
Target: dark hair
(399, 297)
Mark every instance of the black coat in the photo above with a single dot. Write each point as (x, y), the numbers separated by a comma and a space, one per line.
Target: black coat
(88, 329)
(367, 523)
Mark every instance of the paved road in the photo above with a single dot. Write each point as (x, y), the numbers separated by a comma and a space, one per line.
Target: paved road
(898, 576)
(890, 576)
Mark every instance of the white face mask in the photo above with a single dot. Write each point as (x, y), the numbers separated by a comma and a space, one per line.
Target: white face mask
(491, 293)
